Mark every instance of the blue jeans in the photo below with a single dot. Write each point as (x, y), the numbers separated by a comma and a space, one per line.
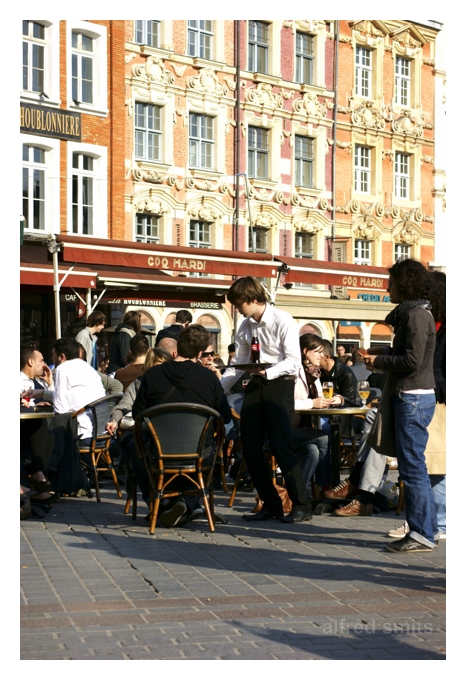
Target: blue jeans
(439, 489)
(310, 446)
(412, 415)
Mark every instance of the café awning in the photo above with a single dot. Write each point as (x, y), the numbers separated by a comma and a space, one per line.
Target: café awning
(36, 270)
(303, 270)
(156, 258)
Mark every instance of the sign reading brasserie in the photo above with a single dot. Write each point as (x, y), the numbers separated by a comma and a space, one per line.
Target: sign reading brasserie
(40, 120)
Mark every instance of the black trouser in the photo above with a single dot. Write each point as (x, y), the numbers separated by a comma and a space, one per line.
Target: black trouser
(268, 409)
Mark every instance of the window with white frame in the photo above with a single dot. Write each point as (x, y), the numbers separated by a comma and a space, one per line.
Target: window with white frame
(402, 175)
(363, 71)
(87, 53)
(200, 38)
(304, 161)
(201, 141)
(362, 252)
(146, 32)
(147, 228)
(304, 58)
(258, 47)
(402, 81)
(83, 194)
(258, 240)
(199, 234)
(82, 68)
(362, 169)
(304, 245)
(34, 46)
(147, 131)
(34, 168)
(401, 252)
(258, 153)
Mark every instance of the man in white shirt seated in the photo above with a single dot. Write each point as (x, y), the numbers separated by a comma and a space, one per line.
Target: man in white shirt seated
(76, 383)
(35, 376)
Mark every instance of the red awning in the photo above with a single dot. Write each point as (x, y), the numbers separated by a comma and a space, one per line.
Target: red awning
(303, 270)
(36, 270)
(156, 257)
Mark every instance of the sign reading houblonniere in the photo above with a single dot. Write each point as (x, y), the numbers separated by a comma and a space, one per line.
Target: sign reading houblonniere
(40, 120)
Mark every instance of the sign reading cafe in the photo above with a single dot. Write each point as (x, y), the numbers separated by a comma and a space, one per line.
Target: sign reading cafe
(40, 120)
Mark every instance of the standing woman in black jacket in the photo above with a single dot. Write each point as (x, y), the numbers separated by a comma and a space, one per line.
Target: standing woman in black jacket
(412, 389)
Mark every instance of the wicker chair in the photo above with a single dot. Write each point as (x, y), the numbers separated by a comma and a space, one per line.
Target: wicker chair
(171, 439)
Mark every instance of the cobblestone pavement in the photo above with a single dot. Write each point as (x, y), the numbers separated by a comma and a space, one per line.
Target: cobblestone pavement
(96, 585)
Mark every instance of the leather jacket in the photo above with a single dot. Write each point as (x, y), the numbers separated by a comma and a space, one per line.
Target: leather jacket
(344, 381)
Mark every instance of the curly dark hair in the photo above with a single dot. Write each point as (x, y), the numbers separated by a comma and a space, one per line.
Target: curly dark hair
(411, 278)
(437, 295)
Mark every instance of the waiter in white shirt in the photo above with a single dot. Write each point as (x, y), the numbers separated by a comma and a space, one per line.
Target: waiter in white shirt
(269, 399)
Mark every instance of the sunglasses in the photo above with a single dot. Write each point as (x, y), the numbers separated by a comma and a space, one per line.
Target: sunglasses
(204, 355)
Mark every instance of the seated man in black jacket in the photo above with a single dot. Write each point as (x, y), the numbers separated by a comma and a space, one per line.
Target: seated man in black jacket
(345, 384)
(345, 391)
(193, 383)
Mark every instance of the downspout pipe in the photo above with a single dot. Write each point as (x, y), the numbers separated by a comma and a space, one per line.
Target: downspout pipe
(334, 146)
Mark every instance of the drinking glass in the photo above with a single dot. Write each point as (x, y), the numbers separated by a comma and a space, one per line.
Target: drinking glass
(363, 389)
(327, 389)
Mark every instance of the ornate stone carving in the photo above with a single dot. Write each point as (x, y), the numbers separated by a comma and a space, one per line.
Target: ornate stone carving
(323, 204)
(379, 210)
(366, 27)
(137, 174)
(303, 201)
(425, 124)
(309, 105)
(344, 145)
(149, 205)
(205, 213)
(154, 71)
(428, 218)
(201, 184)
(173, 181)
(366, 231)
(278, 197)
(387, 153)
(407, 235)
(309, 225)
(427, 159)
(367, 116)
(429, 62)
(154, 177)
(345, 39)
(264, 219)
(263, 96)
(406, 124)
(129, 57)
(179, 70)
(225, 188)
(406, 39)
(207, 82)
(259, 194)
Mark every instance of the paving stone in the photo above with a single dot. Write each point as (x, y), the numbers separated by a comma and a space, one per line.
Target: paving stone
(271, 592)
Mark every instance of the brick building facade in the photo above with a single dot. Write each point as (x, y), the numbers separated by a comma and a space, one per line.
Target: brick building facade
(323, 151)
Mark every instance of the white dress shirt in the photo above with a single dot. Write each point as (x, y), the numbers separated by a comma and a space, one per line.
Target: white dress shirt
(77, 384)
(279, 340)
(27, 383)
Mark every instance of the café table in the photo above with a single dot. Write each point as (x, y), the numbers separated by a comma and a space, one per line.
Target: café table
(334, 414)
(34, 413)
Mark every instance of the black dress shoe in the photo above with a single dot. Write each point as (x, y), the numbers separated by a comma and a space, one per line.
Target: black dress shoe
(263, 515)
(298, 516)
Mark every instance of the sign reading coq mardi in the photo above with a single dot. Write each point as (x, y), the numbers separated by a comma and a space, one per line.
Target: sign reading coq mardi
(40, 120)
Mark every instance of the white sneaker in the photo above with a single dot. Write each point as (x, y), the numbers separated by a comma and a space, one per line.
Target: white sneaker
(441, 535)
(399, 532)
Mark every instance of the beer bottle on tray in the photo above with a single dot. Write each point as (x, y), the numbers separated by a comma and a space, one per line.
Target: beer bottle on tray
(255, 350)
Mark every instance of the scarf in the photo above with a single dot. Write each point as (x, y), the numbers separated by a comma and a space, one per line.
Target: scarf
(312, 373)
(396, 316)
